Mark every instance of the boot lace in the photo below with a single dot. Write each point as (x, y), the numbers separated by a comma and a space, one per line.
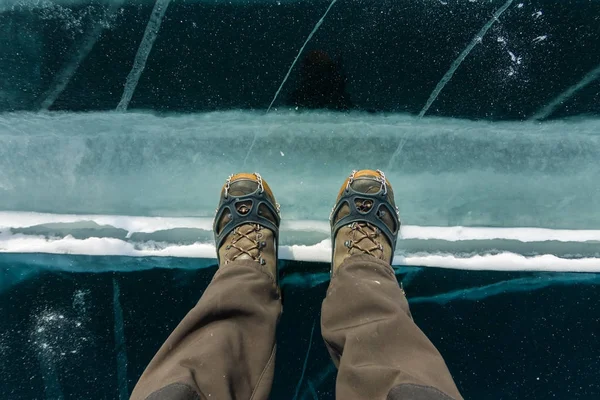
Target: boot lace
(365, 238)
(246, 240)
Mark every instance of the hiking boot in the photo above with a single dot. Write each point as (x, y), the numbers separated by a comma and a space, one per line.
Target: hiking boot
(246, 225)
(364, 219)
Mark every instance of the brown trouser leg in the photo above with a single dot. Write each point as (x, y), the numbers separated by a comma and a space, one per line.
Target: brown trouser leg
(225, 346)
(378, 349)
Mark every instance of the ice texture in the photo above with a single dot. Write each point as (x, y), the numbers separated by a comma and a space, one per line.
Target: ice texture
(471, 194)
(450, 172)
(403, 56)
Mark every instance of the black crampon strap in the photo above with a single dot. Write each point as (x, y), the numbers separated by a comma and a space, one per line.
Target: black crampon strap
(372, 216)
(256, 199)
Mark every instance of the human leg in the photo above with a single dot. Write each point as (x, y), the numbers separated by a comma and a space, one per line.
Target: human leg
(224, 348)
(366, 323)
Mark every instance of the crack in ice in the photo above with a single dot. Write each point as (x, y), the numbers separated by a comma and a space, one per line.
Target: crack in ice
(139, 63)
(567, 94)
(477, 39)
(448, 75)
(319, 23)
(62, 79)
(510, 286)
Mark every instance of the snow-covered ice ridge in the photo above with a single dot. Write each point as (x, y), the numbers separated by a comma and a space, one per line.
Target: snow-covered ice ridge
(476, 248)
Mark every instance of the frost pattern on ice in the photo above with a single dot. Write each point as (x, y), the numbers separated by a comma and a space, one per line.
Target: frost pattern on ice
(58, 335)
(92, 34)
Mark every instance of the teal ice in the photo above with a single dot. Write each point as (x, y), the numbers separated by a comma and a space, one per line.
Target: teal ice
(121, 119)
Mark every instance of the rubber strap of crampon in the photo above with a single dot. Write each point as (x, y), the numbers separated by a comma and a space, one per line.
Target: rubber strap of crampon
(257, 198)
(373, 216)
